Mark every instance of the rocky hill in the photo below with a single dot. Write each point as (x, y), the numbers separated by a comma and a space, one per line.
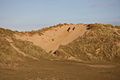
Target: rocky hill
(78, 42)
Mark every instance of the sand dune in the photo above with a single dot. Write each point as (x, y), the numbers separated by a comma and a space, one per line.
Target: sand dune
(53, 38)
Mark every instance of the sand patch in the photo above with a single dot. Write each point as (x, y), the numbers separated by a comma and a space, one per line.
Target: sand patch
(102, 66)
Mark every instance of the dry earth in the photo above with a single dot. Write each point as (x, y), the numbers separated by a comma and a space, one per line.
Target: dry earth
(61, 70)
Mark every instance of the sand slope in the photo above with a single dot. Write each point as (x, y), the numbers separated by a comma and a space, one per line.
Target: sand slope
(54, 37)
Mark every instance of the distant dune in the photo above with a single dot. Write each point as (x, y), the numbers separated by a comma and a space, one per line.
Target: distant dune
(76, 42)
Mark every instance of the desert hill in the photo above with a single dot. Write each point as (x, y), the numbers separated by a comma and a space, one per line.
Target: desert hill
(78, 42)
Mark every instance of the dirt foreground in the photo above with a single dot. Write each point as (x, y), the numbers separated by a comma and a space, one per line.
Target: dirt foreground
(61, 70)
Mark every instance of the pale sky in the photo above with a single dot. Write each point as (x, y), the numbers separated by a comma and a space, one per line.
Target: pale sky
(33, 14)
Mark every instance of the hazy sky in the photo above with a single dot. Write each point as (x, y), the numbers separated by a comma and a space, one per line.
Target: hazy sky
(33, 14)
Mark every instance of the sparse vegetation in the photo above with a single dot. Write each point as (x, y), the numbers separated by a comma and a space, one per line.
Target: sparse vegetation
(100, 44)
(9, 57)
(6, 32)
(30, 49)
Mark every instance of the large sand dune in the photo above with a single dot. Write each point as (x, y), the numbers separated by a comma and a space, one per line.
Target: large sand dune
(54, 37)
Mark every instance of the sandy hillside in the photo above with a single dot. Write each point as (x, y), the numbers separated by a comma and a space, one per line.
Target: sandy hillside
(56, 36)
